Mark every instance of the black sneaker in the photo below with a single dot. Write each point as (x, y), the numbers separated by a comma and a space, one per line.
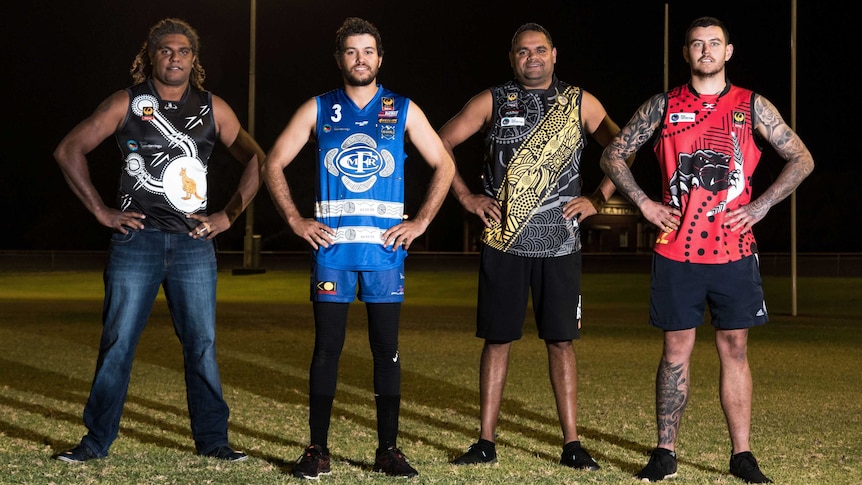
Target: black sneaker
(476, 454)
(313, 463)
(78, 454)
(578, 458)
(393, 463)
(744, 466)
(226, 453)
(662, 464)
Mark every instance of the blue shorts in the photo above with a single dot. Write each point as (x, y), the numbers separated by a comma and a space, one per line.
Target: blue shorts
(340, 286)
(679, 293)
(506, 283)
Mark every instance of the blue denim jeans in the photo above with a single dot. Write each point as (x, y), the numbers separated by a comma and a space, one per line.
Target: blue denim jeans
(138, 264)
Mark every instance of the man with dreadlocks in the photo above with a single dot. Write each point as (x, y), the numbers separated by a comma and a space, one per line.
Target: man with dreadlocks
(166, 126)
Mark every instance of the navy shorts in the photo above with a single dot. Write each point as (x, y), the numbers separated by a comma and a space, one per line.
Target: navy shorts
(506, 282)
(679, 293)
(343, 286)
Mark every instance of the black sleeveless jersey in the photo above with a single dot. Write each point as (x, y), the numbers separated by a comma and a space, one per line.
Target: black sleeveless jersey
(532, 167)
(165, 147)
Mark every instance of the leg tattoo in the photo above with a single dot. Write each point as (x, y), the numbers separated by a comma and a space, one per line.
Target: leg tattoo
(670, 400)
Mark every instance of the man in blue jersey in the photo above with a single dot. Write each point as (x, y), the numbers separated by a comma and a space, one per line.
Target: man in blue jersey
(358, 235)
(535, 128)
(166, 126)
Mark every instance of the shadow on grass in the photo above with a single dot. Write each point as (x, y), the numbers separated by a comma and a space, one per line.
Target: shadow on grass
(265, 349)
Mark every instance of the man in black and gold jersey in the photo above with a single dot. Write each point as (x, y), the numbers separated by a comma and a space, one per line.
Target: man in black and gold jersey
(535, 129)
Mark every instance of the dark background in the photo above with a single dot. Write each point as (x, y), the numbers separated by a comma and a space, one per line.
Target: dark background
(61, 59)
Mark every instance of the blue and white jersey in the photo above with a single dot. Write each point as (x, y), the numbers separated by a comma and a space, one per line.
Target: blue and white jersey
(360, 191)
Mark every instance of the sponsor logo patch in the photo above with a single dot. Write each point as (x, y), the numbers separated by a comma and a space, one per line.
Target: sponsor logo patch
(682, 117)
(326, 287)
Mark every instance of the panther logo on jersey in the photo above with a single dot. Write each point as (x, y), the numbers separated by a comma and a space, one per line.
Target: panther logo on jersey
(710, 170)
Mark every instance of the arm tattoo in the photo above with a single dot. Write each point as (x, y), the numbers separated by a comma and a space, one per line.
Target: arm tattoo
(788, 145)
(629, 140)
(671, 396)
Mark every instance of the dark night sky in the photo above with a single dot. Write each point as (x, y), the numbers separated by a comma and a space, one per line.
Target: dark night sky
(62, 58)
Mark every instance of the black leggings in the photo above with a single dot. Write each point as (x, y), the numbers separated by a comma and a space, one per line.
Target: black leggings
(330, 326)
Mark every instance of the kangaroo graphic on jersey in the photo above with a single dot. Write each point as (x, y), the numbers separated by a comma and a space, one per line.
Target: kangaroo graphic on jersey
(190, 187)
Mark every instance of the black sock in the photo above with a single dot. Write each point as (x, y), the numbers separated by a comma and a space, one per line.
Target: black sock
(319, 414)
(488, 447)
(387, 420)
(571, 446)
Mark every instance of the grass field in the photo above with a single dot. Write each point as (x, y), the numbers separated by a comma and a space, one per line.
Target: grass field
(807, 419)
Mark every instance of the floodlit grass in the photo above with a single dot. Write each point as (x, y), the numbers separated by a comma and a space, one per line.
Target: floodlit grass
(807, 419)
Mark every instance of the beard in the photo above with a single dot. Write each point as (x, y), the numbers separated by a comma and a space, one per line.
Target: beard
(707, 74)
(353, 80)
(710, 72)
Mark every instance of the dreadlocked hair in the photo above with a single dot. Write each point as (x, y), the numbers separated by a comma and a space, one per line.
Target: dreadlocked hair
(142, 67)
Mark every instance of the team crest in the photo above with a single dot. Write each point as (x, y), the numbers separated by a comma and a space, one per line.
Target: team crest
(358, 163)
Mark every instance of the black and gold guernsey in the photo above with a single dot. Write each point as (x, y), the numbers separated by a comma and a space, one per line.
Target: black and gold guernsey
(534, 145)
(166, 146)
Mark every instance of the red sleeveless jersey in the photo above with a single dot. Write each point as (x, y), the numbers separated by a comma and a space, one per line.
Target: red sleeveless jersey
(708, 153)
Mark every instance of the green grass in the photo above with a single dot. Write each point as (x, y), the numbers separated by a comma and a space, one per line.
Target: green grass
(807, 418)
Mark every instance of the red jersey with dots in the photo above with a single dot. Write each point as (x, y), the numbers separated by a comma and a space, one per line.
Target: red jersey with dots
(708, 153)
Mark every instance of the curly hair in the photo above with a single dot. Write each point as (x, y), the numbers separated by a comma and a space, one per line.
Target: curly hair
(142, 67)
(356, 26)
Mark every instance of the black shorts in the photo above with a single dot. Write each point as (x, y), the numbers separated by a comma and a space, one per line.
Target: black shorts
(505, 284)
(679, 293)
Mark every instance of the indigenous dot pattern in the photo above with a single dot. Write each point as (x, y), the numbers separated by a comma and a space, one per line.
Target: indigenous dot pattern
(708, 156)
